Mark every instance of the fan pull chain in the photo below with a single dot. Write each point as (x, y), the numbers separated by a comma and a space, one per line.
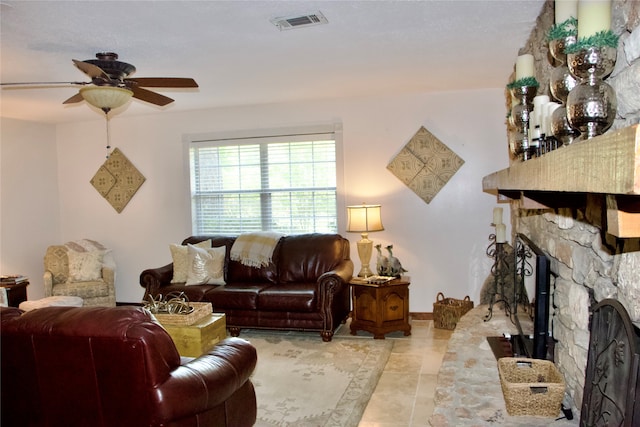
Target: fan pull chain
(108, 136)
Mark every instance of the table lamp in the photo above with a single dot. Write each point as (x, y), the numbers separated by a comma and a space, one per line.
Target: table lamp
(364, 219)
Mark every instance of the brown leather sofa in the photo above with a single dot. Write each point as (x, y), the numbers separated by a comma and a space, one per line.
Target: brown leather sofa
(305, 287)
(99, 366)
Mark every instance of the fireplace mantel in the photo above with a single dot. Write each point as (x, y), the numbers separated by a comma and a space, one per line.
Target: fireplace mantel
(608, 164)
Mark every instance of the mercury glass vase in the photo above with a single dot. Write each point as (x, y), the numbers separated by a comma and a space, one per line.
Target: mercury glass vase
(561, 80)
(520, 118)
(592, 104)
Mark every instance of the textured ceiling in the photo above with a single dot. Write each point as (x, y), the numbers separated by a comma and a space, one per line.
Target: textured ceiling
(238, 57)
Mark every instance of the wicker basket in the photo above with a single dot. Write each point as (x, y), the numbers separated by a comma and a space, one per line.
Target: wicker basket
(531, 386)
(200, 310)
(448, 311)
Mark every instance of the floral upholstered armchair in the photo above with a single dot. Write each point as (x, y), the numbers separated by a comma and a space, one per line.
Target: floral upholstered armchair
(84, 269)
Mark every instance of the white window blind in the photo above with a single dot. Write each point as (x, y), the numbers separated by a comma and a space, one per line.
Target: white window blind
(283, 183)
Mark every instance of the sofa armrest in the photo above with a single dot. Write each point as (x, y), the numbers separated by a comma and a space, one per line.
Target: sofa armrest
(109, 275)
(153, 279)
(330, 285)
(47, 277)
(343, 272)
(208, 380)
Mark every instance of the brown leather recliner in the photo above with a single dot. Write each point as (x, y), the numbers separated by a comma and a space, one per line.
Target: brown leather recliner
(98, 366)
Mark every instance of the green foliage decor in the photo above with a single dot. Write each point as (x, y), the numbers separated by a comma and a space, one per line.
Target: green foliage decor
(563, 30)
(600, 39)
(527, 81)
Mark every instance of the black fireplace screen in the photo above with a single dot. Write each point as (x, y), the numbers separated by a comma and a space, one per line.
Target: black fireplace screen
(611, 379)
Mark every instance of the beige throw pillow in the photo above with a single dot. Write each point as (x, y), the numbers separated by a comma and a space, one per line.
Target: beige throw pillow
(206, 266)
(180, 261)
(85, 266)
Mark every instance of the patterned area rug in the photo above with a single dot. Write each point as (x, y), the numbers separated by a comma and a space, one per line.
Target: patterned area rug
(302, 381)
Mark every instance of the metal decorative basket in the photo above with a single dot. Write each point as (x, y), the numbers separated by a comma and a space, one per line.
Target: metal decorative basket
(175, 309)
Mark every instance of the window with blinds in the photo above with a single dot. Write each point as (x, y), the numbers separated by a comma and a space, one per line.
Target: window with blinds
(284, 183)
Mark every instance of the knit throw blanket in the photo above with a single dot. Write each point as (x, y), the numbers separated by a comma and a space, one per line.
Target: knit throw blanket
(255, 249)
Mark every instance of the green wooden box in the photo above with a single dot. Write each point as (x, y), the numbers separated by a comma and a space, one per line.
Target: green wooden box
(195, 340)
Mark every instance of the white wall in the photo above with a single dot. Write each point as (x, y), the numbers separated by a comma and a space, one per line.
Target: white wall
(442, 244)
(29, 209)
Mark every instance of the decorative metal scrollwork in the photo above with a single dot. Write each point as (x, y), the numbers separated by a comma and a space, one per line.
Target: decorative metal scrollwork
(172, 303)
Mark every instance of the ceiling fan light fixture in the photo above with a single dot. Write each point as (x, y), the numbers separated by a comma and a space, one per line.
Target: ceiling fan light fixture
(106, 97)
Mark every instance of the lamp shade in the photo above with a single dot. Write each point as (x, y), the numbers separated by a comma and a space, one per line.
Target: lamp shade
(364, 218)
(106, 97)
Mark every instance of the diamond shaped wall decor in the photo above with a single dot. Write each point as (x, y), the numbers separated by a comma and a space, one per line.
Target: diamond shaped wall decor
(117, 180)
(425, 164)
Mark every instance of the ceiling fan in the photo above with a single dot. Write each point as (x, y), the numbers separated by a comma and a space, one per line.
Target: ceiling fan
(111, 87)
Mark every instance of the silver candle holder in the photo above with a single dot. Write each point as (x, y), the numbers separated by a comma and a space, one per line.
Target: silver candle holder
(592, 104)
(520, 113)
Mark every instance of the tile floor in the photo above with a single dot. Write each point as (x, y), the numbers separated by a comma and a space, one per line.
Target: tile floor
(404, 394)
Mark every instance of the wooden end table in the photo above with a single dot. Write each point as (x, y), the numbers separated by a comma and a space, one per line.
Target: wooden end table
(16, 287)
(380, 308)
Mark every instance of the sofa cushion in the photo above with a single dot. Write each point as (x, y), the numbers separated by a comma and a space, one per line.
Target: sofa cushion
(241, 273)
(193, 293)
(205, 266)
(297, 297)
(84, 290)
(179, 255)
(235, 296)
(304, 258)
(85, 266)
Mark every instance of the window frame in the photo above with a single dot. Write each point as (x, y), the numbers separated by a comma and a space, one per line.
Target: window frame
(264, 135)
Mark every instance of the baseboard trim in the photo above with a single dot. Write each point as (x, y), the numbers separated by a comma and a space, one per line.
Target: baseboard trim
(421, 316)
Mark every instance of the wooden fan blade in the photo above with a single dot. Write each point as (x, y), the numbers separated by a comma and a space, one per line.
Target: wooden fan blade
(42, 84)
(149, 96)
(164, 82)
(91, 70)
(75, 98)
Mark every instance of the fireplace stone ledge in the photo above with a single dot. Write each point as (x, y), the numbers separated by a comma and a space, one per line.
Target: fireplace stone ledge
(468, 391)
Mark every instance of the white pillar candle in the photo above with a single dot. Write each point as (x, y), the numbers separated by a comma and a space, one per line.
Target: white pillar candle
(501, 233)
(497, 216)
(524, 66)
(538, 107)
(593, 16)
(534, 128)
(565, 9)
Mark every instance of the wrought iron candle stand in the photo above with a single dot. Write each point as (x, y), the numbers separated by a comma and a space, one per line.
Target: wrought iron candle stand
(499, 270)
(523, 269)
(520, 117)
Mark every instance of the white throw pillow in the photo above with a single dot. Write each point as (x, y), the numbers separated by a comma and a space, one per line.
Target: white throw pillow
(85, 266)
(180, 261)
(206, 266)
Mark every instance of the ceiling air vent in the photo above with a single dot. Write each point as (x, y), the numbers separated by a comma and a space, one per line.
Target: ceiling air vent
(291, 22)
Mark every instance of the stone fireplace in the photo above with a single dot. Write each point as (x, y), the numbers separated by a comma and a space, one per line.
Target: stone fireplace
(587, 264)
(573, 227)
